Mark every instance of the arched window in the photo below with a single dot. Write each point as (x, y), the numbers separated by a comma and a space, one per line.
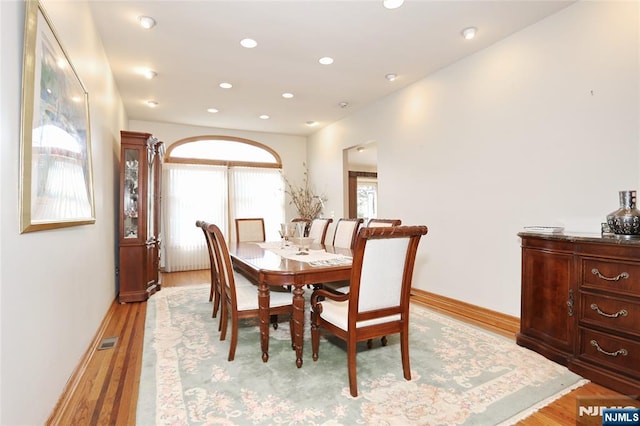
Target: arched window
(223, 151)
(217, 179)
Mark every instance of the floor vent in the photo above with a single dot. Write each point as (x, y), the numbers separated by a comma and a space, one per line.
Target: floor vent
(108, 343)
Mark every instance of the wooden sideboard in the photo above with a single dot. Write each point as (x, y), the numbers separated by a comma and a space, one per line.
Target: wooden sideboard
(580, 305)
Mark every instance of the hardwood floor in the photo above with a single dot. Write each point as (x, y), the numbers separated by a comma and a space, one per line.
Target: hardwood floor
(104, 389)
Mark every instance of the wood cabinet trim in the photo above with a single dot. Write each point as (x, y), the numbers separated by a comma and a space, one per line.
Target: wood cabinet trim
(600, 271)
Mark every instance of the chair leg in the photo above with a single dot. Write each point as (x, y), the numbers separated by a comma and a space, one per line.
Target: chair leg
(315, 335)
(404, 350)
(234, 337)
(351, 366)
(274, 321)
(216, 302)
(222, 326)
(383, 340)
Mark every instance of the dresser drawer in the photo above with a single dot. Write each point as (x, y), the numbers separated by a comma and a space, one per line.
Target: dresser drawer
(611, 276)
(612, 312)
(614, 353)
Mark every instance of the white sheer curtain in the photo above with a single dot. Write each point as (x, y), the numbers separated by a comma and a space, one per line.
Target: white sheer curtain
(217, 195)
(191, 192)
(257, 192)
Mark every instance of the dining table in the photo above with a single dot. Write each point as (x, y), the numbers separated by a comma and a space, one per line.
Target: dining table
(278, 264)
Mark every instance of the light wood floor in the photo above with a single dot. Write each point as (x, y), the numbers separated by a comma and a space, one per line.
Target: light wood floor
(104, 390)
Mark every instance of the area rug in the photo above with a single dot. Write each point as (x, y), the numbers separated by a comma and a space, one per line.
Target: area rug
(461, 375)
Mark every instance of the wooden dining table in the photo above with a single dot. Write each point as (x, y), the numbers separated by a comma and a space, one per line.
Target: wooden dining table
(269, 269)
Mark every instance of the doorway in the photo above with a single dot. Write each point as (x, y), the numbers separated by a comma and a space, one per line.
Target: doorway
(362, 172)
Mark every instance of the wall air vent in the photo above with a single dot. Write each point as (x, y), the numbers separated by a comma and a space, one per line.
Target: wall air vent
(108, 343)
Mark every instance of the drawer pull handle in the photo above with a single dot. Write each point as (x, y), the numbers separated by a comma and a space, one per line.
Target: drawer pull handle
(624, 275)
(570, 303)
(622, 352)
(620, 313)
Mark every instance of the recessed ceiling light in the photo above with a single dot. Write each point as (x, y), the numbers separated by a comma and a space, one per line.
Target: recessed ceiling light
(152, 104)
(469, 33)
(264, 117)
(212, 110)
(311, 123)
(287, 95)
(392, 4)
(391, 76)
(343, 104)
(226, 85)
(249, 43)
(150, 74)
(146, 22)
(326, 60)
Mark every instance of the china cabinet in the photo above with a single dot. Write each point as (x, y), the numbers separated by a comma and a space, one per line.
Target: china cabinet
(139, 225)
(581, 305)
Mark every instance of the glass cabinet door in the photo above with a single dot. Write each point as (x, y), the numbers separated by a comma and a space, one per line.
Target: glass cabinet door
(130, 193)
(151, 170)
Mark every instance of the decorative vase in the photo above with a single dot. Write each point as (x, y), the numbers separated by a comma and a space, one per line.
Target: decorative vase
(626, 220)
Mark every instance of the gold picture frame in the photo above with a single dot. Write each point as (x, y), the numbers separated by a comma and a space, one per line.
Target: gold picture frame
(56, 177)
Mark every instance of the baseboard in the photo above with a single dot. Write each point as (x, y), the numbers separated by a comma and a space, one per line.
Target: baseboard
(72, 384)
(505, 325)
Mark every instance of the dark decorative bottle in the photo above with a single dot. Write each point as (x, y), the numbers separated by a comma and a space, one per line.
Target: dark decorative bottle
(626, 220)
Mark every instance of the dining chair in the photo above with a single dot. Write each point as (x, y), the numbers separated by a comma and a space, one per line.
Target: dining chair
(377, 303)
(373, 223)
(345, 234)
(214, 292)
(241, 301)
(343, 286)
(331, 232)
(343, 237)
(250, 229)
(318, 229)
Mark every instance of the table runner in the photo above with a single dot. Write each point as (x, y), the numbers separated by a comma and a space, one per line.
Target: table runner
(314, 258)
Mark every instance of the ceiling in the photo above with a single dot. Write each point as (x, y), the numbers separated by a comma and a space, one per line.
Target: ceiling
(195, 46)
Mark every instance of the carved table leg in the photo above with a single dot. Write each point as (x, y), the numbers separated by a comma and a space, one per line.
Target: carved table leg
(298, 322)
(263, 303)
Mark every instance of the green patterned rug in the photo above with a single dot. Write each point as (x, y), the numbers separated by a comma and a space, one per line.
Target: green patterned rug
(461, 375)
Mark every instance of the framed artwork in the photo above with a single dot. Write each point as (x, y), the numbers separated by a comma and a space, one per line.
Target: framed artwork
(56, 180)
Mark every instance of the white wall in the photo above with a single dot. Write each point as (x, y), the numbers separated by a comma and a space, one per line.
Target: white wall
(509, 137)
(292, 149)
(55, 286)
(541, 128)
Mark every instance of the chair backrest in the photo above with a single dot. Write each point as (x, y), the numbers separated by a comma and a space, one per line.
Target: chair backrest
(250, 229)
(382, 271)
(224, 266)
(378, 223)
(203, 225)
(213, 264)
(318, 229)
(346, 231)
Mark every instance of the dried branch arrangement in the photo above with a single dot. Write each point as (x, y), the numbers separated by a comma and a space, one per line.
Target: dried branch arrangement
(304, 198)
